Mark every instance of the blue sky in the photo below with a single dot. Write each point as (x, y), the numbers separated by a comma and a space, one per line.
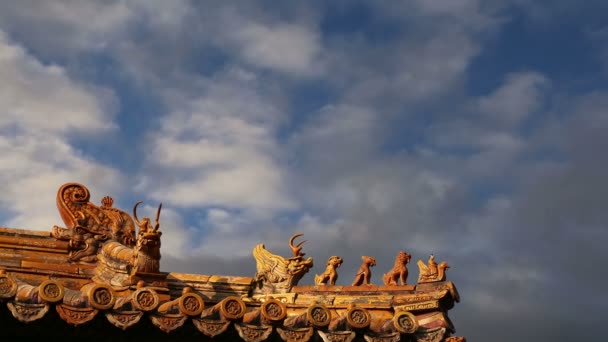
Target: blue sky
(472, 129)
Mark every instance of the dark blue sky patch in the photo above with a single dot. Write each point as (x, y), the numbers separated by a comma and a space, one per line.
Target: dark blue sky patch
(563, 52)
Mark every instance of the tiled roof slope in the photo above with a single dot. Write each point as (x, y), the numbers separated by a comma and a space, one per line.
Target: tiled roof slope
(104, 282)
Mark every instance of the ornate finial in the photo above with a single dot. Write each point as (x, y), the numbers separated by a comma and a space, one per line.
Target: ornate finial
(107, 202)
(399, 271)
(297, 250)
(330, 273)
(364, 274)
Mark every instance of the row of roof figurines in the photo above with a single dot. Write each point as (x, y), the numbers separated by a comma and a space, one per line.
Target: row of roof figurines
(277, 274)
(91, 227)
(432, 272)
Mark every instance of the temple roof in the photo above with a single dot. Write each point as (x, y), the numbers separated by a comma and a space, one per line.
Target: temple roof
(97, 272)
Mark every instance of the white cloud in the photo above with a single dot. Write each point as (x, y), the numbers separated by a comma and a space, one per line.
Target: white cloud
(62, 26)
(42, 98)
(283, 47)
(41, 107)
(222, 149)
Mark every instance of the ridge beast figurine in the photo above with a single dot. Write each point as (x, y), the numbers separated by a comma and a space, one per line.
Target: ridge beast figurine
(330, 275)
(276, 274)
(364, 274)
(399, 271)
(432, 272)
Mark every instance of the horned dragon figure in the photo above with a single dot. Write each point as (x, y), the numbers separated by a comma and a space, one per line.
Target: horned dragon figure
(277, 274)
(125, 263)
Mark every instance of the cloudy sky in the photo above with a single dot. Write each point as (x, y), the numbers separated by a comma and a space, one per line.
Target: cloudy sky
(472, 129)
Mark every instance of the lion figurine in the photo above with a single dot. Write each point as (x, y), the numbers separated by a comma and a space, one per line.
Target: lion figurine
(330, 273)
(364, 274)
(399, 271)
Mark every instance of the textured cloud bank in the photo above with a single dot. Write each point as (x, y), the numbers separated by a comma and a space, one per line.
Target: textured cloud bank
(41, 108)
(369, 127)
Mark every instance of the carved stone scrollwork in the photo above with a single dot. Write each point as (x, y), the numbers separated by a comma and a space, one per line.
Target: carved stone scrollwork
(233, 308)
(8, 286)
(253, 333)
(210, 328)
(90, 226)
(75, 316)
(101, 296)
(338, 336)
(318, 316)
(295, 334)
(191, 304)
(27, 312)
(124, 319)
(405, 322)
(168, 322)
(358, 318)
(51, 291)
(430, 335)
(145, 299)
(392, 337)
(273, 310)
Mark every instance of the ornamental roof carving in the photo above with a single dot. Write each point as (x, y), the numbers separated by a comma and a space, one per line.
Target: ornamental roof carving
(98, 268)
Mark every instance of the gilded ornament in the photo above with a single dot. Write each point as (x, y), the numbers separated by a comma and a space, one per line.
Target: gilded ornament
(273, 310)
(145, 299)
(233, 308)
(8, 287)
(405, 322)
(432, 272)
(358, 318)
(51, 291)
(318, 315)
(101, 296)
(191, 304)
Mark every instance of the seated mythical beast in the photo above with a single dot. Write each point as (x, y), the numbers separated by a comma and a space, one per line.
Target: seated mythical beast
(330, 273)
(399, 271)
(364, 274)
(119, 265)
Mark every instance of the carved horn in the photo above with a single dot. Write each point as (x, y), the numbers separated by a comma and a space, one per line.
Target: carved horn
(296, 249)
(156, 224)
(135, 212)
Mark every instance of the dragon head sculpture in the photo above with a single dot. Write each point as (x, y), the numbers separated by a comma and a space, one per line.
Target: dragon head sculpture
(277, 274)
